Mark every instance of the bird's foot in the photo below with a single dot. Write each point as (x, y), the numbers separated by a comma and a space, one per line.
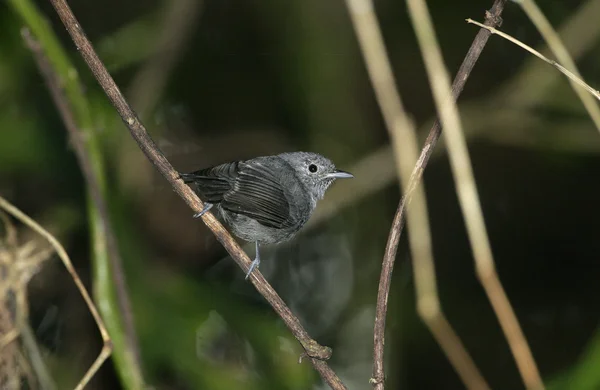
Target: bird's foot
(253, 266)
(207, 206)
(256, 261)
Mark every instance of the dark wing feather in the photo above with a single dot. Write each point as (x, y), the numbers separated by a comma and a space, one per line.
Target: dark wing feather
(212, 183)
(246, 188)
(257, 193)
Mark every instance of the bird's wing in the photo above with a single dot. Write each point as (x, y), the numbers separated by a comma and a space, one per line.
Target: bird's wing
(212, 183)
(248, 188)
(257, 193)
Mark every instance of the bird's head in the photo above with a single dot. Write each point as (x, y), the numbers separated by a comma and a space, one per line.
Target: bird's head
(316, 172)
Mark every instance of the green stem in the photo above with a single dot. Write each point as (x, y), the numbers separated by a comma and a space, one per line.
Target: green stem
(104, 291)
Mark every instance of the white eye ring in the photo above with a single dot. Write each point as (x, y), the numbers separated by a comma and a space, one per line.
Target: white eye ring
(313, 168)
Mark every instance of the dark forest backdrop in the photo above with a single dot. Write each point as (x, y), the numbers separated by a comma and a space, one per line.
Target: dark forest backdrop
(220, 80)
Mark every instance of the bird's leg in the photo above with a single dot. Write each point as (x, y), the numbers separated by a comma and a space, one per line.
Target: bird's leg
(255, 263)
(207, 206)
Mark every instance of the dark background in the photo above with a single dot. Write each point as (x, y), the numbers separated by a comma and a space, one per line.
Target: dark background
(261, 77)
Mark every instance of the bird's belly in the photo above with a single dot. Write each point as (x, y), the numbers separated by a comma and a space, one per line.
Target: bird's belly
(249, 229)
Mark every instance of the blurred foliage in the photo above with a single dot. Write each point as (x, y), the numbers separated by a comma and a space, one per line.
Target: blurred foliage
(262, 77)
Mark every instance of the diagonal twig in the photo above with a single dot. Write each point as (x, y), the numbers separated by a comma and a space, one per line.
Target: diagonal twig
(579, 32)
(317, 353)
(555, 44)
(572, 77)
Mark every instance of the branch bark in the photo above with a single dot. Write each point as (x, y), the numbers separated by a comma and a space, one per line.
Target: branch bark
(317, 353)
(492, 18)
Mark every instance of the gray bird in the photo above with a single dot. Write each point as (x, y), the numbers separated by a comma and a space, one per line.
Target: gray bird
(268, 199)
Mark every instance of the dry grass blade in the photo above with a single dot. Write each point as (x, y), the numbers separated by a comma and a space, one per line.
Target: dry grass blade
(579, 33)
(404, 142)
(107, 345)
(467, 193)
(560, 51)
(21, 363)
(555, 64)
(8, 338)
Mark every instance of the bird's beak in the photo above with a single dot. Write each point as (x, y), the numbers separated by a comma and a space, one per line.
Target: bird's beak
(340, 175)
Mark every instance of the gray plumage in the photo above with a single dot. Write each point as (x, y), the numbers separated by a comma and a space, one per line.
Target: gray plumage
(266, 199)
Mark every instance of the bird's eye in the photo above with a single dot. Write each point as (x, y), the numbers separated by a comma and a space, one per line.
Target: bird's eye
(312, 168)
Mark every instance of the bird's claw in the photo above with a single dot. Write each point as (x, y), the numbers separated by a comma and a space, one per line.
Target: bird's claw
(253, 266)
(207, 206)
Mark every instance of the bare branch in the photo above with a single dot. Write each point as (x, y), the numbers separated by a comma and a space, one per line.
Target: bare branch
(316, 352)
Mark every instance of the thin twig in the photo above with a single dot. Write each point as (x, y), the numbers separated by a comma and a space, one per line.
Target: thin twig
(60, 251)
(555, 44)
(317, 352)
(555, 64)
(399, 219)
(17, 267)
(580, 34)
(404, 142)
(90, 174)
(466, 189)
